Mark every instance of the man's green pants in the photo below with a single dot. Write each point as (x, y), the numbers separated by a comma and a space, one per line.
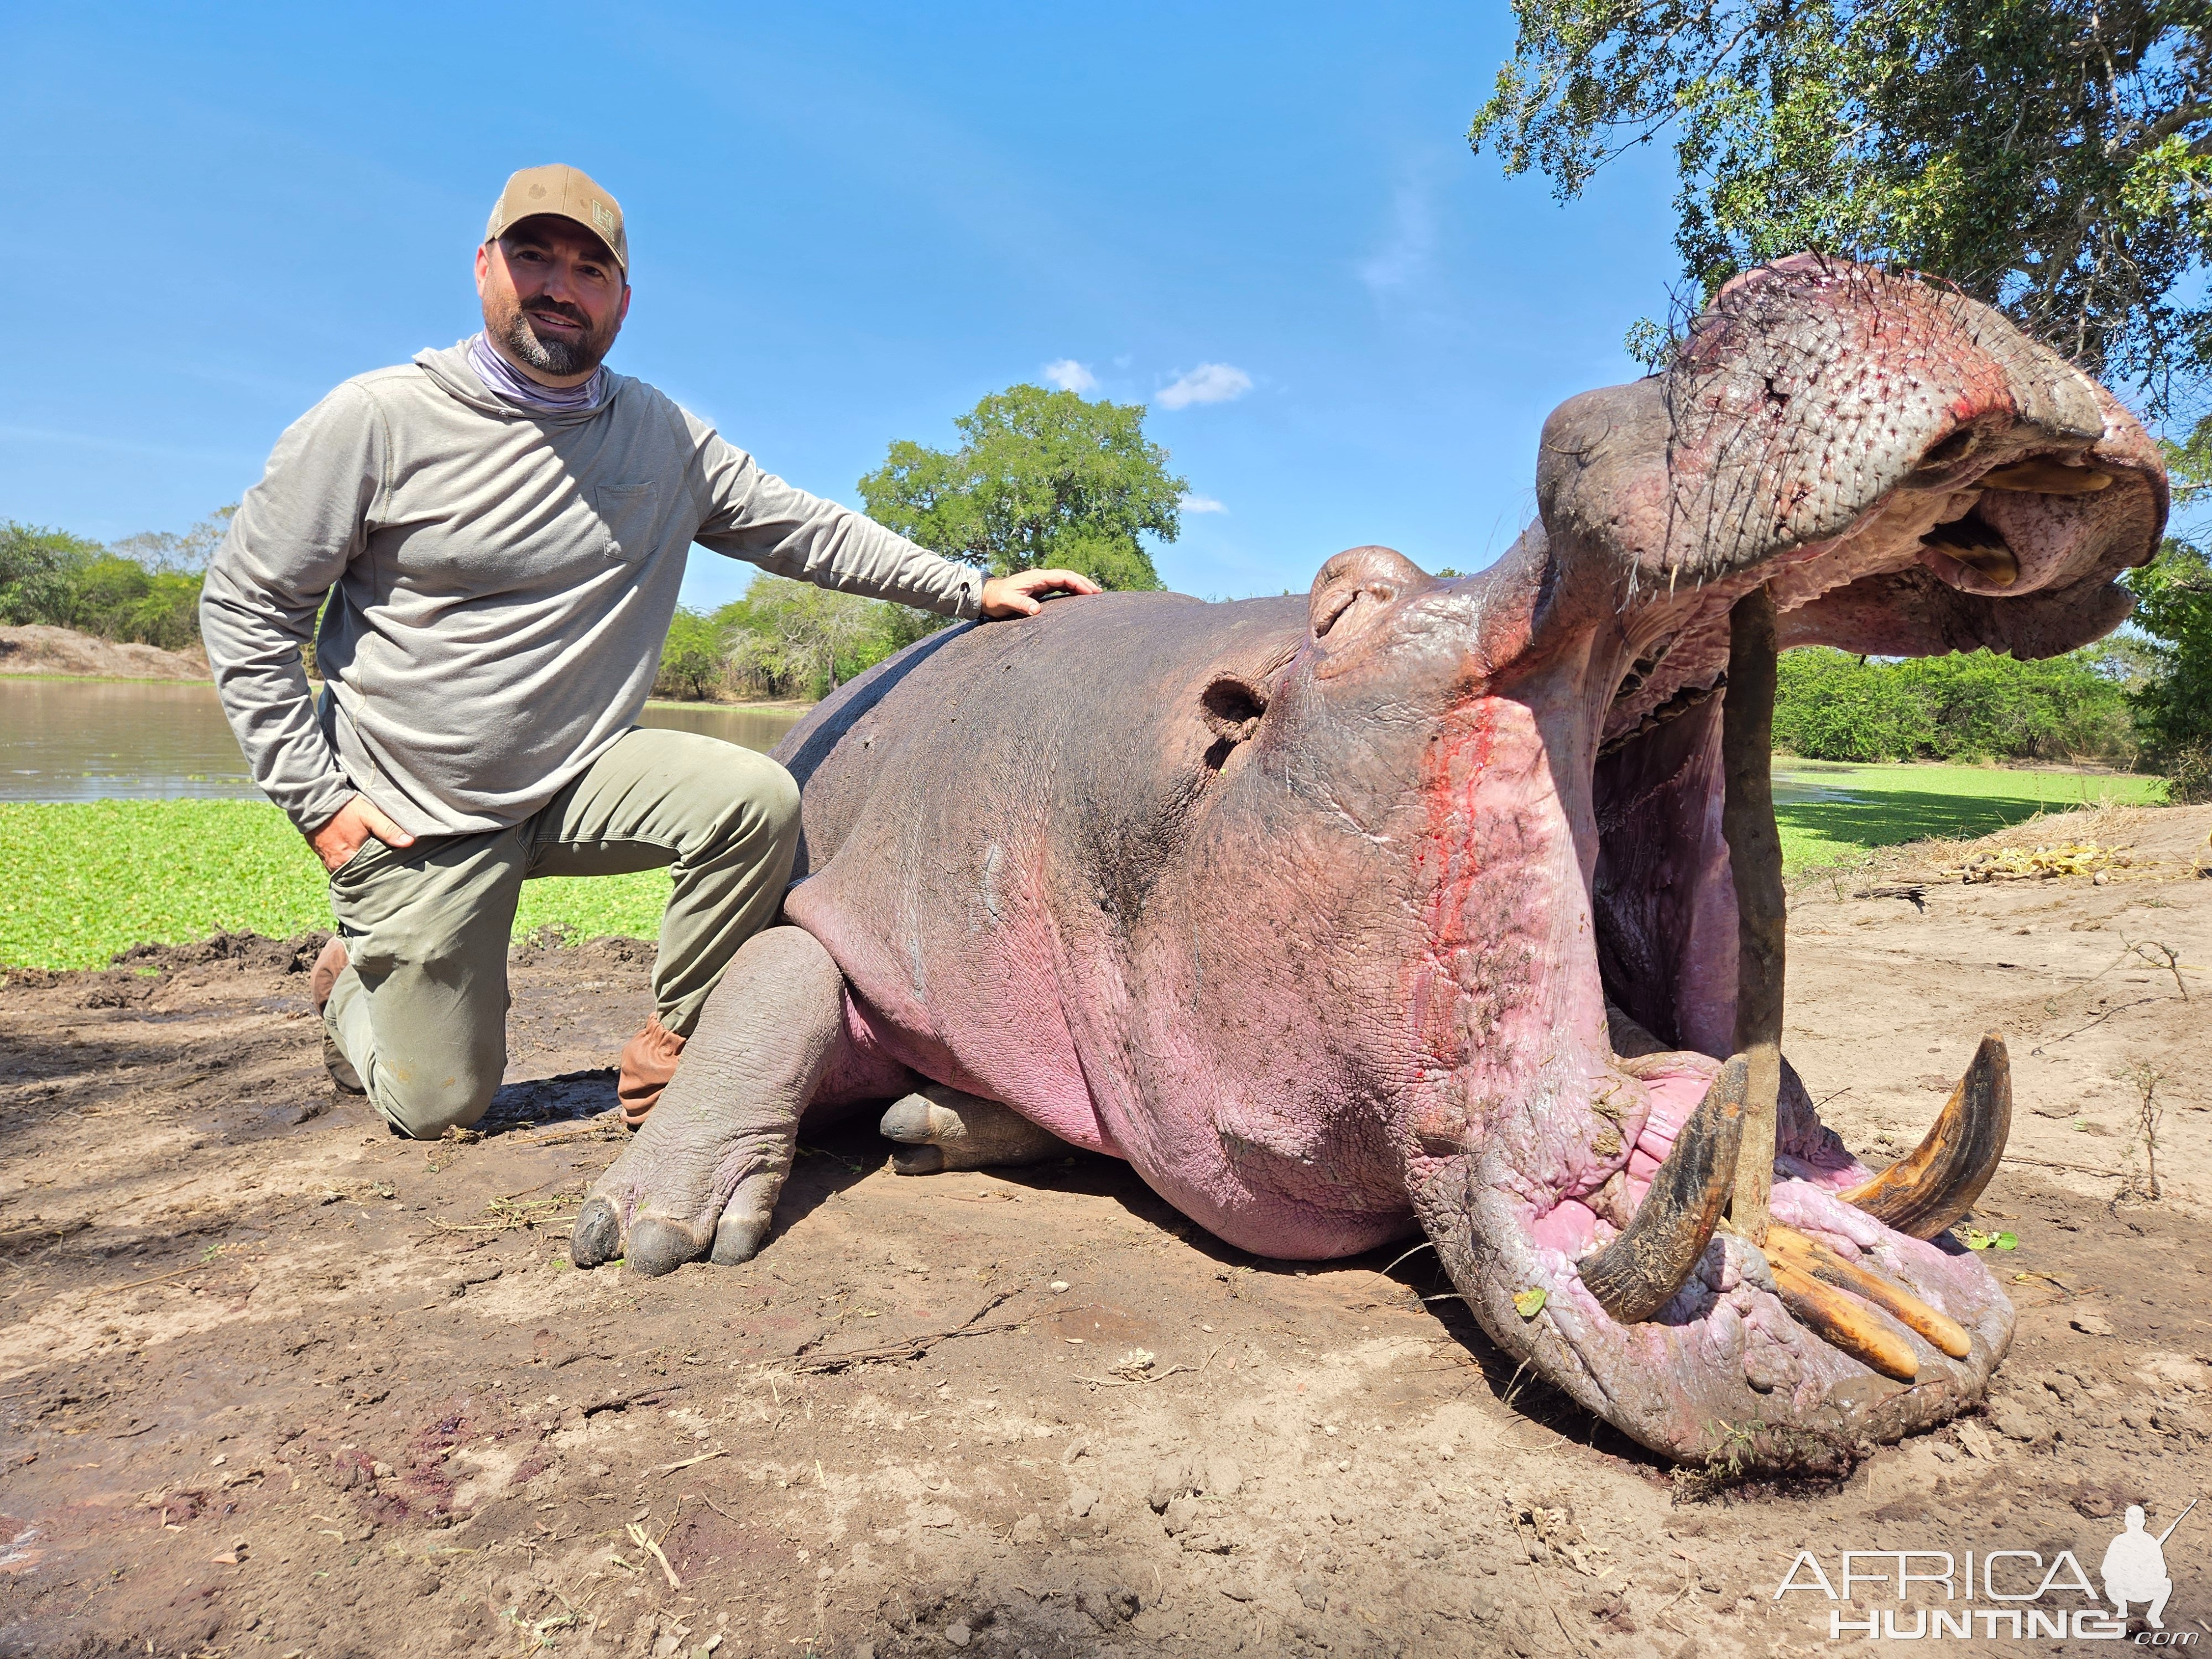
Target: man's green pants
(421, 1009)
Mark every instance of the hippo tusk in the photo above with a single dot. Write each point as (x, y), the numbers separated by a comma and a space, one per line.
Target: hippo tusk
(1754, 845)
(1981, 550)
(2045, 478)
(1633, 1277)
(1926, 1192)
(1816, 1261)
(1845, 1322)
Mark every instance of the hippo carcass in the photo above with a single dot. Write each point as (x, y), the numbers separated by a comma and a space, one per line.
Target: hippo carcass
(1409, 906)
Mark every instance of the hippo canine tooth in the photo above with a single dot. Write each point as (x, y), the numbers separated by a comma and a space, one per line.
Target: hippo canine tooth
(1981, 549)
(1927, 1191)
(2046, 478)
(1635, 1276)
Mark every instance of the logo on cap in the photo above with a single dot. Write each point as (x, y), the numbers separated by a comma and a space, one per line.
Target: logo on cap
(603, 219)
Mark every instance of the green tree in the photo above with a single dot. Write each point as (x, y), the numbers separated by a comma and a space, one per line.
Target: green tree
(793, 639)
(39, 569)
(1829, 705)
(691, 657)
(1041, 478)
(1972, 707)
(119, 598)
(2173, 706)
(165, 551)
(2053, 157)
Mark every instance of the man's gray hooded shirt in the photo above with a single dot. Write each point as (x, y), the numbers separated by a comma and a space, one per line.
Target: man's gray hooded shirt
(505, 580)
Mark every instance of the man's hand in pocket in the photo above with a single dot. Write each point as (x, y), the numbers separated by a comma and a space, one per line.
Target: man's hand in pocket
(357, 821)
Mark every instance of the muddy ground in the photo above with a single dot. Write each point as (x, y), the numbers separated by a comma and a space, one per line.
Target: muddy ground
(276, 1384)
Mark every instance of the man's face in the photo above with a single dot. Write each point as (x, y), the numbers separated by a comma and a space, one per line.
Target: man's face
(554, 299)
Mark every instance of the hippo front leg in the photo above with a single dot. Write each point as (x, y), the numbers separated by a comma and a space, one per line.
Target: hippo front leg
(703, 1174)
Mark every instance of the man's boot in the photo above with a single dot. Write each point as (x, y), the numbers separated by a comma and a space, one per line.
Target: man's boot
(648, 1061)
(322, 979)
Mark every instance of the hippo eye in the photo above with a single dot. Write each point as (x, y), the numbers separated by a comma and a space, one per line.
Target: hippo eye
(1230, 709)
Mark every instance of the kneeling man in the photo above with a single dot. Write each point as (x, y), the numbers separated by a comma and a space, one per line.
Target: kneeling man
(502, 530)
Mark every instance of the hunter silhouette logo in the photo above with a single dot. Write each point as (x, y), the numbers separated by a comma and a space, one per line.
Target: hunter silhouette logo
(1997, 1593)
(2134, 1568)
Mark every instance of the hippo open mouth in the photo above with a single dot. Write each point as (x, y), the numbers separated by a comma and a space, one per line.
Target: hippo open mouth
(1846, 460)
(1455, 905)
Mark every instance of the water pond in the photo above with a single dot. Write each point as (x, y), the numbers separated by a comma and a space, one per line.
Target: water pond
(66, 741)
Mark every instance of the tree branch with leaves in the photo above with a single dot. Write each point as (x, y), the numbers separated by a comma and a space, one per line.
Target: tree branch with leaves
(2051, 157)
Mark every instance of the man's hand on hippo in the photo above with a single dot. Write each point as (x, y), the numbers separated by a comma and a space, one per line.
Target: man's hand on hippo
(357, 821)
(1022, 593)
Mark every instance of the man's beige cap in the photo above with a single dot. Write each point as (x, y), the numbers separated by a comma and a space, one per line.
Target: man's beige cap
(567, 191)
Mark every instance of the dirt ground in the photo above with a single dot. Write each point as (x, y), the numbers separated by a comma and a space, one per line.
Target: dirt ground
(276, 1384)
(39, 649)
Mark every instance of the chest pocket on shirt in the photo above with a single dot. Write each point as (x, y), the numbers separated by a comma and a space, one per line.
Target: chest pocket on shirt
(626, 514)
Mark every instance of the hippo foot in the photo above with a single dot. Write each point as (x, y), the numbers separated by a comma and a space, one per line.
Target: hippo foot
(702, 1175)
(940, 1128)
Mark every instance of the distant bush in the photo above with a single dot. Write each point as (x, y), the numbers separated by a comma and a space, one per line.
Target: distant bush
(38, 574)
(119, 599)
(692, 659)
(145, 589)
(784, 639)
(2174, 705)
(1832, 706)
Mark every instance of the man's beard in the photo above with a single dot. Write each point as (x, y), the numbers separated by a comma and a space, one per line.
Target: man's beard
(553, 356)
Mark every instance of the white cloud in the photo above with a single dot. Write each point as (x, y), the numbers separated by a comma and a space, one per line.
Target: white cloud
(1202, 504)
(1407, 254)
(1070, 376)
(1209, 383)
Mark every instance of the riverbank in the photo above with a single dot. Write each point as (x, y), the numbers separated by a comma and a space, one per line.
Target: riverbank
(40, 652)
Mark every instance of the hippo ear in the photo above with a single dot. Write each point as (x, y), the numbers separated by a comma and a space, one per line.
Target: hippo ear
(1358, 585)
(1229, 707)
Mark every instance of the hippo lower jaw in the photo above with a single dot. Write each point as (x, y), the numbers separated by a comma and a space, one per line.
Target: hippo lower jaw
(1584, 1225)
(1739, 1364)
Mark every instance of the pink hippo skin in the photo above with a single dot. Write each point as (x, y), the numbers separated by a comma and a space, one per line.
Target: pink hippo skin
(1406, 907)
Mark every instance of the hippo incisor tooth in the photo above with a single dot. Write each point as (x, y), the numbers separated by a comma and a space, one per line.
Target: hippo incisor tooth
(1981, 550)
(1754, 845)
(1927, 1191)
(1816, 1261)
(1845, 1321)
(2046, 478)
(1633, 1276)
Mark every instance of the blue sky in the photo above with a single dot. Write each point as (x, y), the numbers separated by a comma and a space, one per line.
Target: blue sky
(849, 222)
